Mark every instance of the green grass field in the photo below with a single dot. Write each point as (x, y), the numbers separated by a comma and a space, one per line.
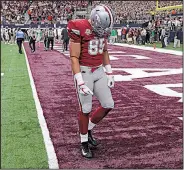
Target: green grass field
(169, 47)
(22, 143)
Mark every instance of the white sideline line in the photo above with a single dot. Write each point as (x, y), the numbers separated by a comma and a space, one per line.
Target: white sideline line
(52, 159)
(2, 74)
(160, 50)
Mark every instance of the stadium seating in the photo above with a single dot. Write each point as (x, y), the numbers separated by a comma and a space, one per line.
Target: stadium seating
(59, 11)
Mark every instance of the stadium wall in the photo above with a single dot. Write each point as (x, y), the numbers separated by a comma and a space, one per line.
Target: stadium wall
(43, 26)
(132, 25)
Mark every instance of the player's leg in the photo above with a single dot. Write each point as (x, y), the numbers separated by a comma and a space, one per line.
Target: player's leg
(52, 43)
(44, 43)
(178, 43)
(30, 44)
(165, 41)
(38, 41)
(48, 43)
(63, 45)
(12, 39)
(103, 93)
(67, 42)
(34, 45)
(18, 43)
(175, 42)
(60, 40)
(20, 47)
(8, 39)
(85, 102)
(5, 39)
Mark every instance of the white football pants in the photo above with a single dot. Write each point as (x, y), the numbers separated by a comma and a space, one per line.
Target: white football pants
(97, 82)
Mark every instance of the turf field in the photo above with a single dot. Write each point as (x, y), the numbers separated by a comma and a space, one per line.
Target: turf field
(21, 138)
(143, 131)
(169, 47)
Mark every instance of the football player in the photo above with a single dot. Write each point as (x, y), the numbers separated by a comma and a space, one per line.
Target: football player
(45, 35)
(88, 53)
(32, 40)
(11, 36)
(38, 35)
(50, 38)
(2, 34)
(55, 34)
(59, 34)
(65, 39)
(7, 35)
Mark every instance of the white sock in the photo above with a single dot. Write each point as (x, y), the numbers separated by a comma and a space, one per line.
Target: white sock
(84, 138)
(91, 125)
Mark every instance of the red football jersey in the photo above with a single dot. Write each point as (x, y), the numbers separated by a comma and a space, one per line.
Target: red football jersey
(92, 47)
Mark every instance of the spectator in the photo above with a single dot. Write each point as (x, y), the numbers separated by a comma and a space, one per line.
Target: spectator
(119, 30)
(143, 36)
(178, 37)
(152, 35)
(133, 11)
(124, 30)
(162, 37)
(113, 36)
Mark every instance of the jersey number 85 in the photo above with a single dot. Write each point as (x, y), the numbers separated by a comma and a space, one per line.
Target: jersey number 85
(96, 46)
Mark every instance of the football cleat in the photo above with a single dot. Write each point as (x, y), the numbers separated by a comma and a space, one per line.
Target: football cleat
(91, 140)
(86, 152)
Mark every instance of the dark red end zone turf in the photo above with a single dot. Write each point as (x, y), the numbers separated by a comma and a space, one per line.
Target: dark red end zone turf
(142, 131)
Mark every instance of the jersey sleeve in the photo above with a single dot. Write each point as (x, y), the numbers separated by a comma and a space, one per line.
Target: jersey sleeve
(74, 32)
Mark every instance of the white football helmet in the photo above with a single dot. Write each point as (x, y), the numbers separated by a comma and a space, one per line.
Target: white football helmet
(102, 20)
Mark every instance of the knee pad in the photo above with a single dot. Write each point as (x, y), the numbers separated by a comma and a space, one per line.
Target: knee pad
(86, 108)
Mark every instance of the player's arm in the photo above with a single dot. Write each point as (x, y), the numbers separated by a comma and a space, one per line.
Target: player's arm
(106, 60)
(74, 56)
(75, 45)
(106, 64)
(75, 50)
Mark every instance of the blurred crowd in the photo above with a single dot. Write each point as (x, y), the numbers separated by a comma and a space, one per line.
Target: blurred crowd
(12, 11)
(137, 10)
(60, 11)
(53, 11)
(154, 31)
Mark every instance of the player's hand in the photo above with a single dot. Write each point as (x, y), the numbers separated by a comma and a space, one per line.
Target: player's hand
(83, 89)
(110, 82)
(110, 77)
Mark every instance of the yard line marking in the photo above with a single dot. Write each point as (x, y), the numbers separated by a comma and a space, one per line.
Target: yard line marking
(52, 159)
(58, 47)
(112, 57)
(2, 74)
(181, 118)
(112, 52)
(61, 51)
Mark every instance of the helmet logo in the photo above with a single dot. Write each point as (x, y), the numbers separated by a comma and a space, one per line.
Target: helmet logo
(98, 19)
